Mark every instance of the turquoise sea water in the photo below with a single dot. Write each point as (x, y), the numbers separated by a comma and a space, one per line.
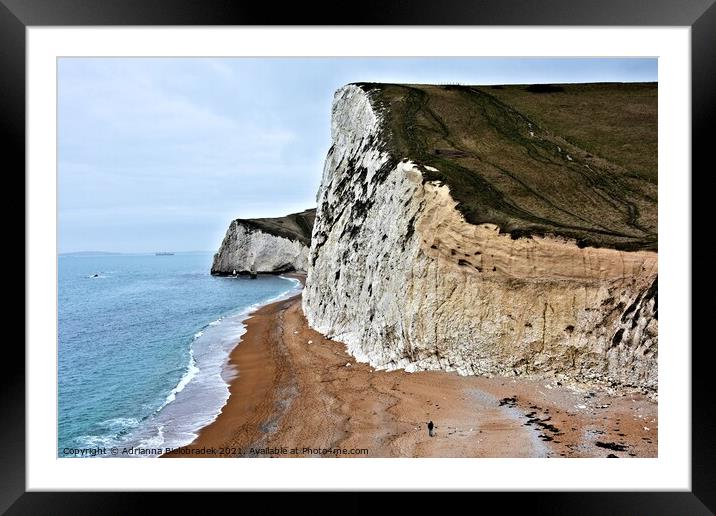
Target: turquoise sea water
(143, 342)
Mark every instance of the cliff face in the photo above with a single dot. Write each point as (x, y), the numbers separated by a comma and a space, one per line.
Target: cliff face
(269, 245)
(476, 251)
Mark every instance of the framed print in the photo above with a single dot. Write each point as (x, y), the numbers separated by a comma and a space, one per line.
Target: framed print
(425, 245)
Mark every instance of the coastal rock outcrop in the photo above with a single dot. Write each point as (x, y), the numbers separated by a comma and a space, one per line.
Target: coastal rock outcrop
(267, 245)
(457, 232)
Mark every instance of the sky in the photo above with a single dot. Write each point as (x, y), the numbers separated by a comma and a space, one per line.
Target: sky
(160, 154)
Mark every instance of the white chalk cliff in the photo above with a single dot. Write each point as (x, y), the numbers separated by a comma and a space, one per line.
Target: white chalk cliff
(397, 273)
(265, 245)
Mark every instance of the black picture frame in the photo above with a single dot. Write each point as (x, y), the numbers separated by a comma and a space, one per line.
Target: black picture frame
(700, 15)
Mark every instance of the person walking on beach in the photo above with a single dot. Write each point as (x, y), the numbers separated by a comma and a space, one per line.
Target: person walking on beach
(431, 429)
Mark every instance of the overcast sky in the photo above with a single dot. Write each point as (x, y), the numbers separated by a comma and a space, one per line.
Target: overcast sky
(161, 154)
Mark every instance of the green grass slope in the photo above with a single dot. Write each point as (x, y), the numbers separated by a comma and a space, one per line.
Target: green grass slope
(576, 160)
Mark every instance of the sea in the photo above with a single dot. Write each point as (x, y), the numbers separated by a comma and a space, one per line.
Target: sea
(143, 346)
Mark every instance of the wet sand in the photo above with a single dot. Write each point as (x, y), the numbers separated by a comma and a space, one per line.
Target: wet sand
(298, 394)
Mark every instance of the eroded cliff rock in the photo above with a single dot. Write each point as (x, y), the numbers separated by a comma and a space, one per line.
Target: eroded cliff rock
(504, 249)
(269, 245)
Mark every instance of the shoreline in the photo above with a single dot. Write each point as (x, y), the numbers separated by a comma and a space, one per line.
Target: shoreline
(252, 366)
(297, 394)
(238, 372)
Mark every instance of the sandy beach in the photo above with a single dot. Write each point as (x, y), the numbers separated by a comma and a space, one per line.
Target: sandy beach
(297, 394)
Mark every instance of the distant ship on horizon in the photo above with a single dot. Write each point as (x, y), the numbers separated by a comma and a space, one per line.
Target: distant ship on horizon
(164, 254)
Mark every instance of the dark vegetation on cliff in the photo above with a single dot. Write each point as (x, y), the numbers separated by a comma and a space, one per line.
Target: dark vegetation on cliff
(297, 226)
(576, 160)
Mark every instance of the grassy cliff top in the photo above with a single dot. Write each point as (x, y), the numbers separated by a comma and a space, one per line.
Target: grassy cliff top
(297, 226)
(576, 160)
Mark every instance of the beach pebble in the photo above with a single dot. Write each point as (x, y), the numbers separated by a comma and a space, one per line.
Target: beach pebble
(310, 342)
(646, 428)
(348, 364)
(295, 333)
(581, 406)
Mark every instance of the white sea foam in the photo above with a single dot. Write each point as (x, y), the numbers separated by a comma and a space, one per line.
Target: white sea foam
(113, 432)
(154, 441)
(191, 371)
(92, 441)
(119, 424)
